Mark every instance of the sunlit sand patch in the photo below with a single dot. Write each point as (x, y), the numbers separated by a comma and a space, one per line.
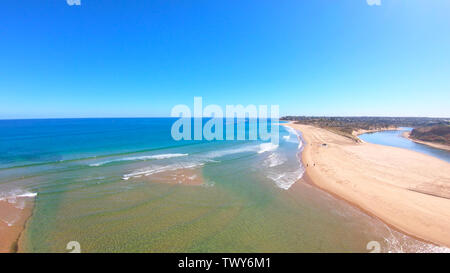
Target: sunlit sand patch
(189, 177)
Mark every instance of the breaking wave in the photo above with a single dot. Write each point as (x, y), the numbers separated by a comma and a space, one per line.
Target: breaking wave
(261, 148)
(274, 159)
(225, 152)
(283, 178)
(158, 169)
(294, 136)
(17, 199)
(135, 158)
(400, 243)
(287, 179)
(13, 196)
(267, 147)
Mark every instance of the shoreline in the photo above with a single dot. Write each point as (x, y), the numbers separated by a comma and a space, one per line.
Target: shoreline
(13, 224)
(414, 208)
(363, 131)
(430, 144)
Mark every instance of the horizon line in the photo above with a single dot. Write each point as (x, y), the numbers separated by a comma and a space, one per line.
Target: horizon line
(285, 116)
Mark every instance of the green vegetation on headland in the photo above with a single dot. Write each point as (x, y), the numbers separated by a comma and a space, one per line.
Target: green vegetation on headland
(348, 126)
(435, 133)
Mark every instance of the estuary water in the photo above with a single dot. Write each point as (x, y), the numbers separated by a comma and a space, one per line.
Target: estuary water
(394, 138)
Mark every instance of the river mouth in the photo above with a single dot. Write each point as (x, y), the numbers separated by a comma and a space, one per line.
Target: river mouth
(395, 138)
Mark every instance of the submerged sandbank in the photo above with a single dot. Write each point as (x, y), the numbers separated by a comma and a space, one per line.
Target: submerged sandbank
(188, 177)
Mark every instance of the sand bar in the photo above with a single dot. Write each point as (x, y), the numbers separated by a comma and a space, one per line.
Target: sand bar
(187, 177)
(408, 190)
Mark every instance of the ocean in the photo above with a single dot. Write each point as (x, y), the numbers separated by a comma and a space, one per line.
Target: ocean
(124, 185)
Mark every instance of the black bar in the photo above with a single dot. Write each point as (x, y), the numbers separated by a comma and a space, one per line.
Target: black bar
(223, 262)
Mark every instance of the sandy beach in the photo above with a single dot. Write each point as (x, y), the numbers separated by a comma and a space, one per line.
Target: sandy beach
(362, 131)
(407, 190)
(13, 219)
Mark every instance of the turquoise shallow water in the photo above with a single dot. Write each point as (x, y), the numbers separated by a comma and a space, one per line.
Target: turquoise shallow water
(124, 185)
(394, 138)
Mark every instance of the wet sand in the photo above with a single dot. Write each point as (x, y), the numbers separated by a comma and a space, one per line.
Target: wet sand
(407, 190)
(12, 223)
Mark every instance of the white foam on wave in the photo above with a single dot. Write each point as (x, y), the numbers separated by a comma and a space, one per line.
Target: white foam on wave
(267, 147)
(274, 159)
(230, 151)
(13, 195)
(17, 198)
(28, 194)
(287, 179)
(399, 243)
(259, 148)
(284, 179)
(300, 144)
(292, 131)
(296, 138)
(135, 158)
(159, 169)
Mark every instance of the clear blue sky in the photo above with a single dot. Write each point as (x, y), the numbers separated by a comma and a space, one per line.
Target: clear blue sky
(125, 58)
